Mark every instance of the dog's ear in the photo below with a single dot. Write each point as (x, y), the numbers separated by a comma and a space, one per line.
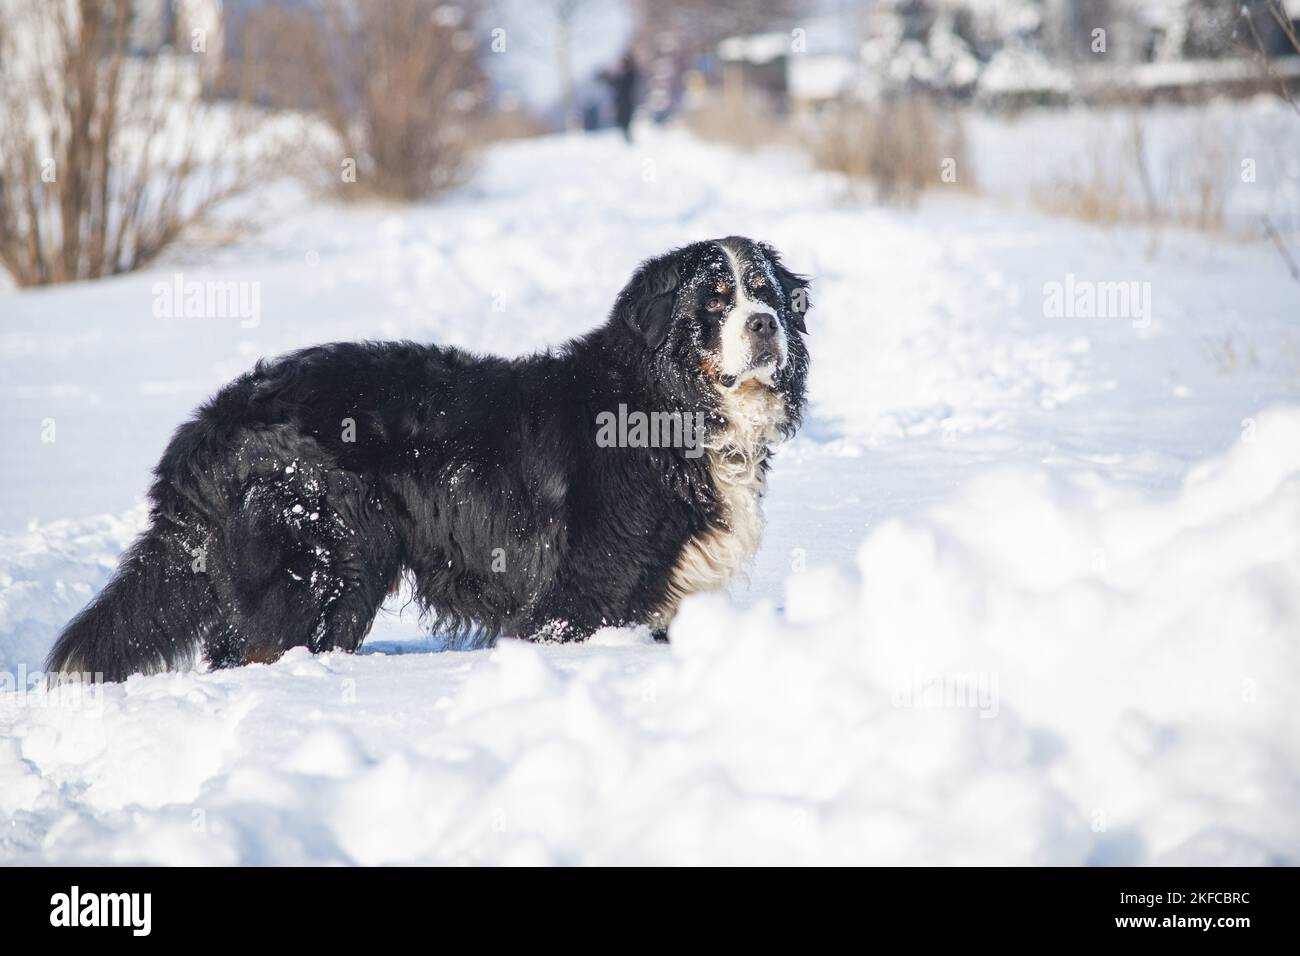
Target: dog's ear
(794, 288)
(646, 303)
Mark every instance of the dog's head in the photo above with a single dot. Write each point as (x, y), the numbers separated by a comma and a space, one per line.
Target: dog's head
(727, 312)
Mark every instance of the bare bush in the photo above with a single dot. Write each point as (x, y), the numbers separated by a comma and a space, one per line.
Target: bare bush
(750, 126)
(397, 81)
(899, 147)
(504, 123)
(1120, 180)
(107, 156)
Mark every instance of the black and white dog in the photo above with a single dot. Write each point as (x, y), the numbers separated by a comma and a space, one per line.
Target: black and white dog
(295, 500)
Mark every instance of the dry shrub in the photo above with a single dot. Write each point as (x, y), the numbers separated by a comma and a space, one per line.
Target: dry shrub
(748, 125)
(1100, 190)
(901, 147)
(397, 82)
(106, 156)
(1199, 190)
(502, 124)
(1119, 181)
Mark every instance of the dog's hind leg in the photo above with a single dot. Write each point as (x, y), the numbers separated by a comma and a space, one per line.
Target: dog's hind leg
(309, 563)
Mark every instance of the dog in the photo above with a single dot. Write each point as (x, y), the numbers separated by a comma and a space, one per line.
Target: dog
(525, 497)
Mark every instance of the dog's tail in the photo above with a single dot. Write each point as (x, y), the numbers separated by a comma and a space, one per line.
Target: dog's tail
(150, 616)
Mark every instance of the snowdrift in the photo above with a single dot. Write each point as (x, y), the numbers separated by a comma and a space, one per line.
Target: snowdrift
(1042, 669)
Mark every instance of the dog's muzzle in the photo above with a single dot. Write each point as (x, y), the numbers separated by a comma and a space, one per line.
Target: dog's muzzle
(762, 334)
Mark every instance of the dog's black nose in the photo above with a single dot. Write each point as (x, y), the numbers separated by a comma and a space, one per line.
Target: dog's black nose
(761, 323)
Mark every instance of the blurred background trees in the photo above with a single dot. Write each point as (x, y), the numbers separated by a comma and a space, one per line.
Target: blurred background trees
(110, 146)
(398, 83)
(129, 125)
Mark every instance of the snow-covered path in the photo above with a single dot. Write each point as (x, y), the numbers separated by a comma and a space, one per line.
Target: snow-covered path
(1028, 592)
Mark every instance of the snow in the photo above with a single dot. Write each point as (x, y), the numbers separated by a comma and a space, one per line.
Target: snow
(759, 48)
(814, 76)
(1019, 68)
(1028, 592)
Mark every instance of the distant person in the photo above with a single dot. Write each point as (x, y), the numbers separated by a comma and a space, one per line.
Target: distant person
(623, 84)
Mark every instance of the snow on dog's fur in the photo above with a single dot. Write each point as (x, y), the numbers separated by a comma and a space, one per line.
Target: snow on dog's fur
(295, 499)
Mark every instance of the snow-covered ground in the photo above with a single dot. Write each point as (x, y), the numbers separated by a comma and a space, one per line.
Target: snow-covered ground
(1030, 589)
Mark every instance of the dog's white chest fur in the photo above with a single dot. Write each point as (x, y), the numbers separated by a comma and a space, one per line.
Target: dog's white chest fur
(710, 561)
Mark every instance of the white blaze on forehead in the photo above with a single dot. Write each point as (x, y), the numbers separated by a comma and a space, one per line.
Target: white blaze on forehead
(736, 342)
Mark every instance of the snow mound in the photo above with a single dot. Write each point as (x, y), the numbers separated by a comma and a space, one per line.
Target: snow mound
(1042, 669)
(48, 573)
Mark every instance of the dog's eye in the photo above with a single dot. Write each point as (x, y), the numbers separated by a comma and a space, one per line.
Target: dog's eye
(757, 282)
(714, 303)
